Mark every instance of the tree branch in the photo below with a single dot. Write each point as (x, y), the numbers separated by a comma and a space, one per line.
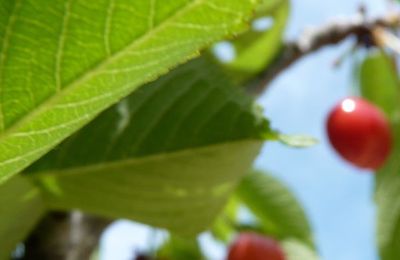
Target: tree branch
(65, 236)
(313, 40)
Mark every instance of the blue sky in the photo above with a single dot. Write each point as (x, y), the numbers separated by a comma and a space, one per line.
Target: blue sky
(337, 197)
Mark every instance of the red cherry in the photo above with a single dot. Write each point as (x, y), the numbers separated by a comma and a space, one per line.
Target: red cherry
(360, 133)
(251, 246)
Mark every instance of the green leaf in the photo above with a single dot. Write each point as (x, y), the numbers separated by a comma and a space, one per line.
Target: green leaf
(255, 49)
(178, 248)
(380, 84)
(266, 7)
(182, 191)
(387, 194)
(297, 250)
(62, 62)
(223, 227)
(169, 155)
(21, 208)
(275, 207)
(298, 141)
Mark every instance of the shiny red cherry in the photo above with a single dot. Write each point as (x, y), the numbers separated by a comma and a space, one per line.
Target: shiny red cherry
(360, 133)
(252, 246)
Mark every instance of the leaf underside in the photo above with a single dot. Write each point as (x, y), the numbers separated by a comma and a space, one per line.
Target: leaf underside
(168, 155)
(182, 192)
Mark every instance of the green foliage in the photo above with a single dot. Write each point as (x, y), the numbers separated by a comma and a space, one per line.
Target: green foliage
(380, 84)
(277, 210)
(255, 49)
(223, 227)
(63, 62)
(297, 250)
(277, 213)
(21, 207)
(176, 147)
(387, 194)
(298, 141)
(171, 153)
(181, 191)
(178, 248)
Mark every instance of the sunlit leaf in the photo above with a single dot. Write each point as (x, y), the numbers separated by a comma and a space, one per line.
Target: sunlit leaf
(297, 140)
(297, 250)
(62, 62)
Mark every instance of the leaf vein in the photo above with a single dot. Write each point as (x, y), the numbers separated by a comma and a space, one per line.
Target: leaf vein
(152, 13)
(155, 120)
(92, 72)
(107, 27)
(61, 44)
(6, 42)
(173, 133)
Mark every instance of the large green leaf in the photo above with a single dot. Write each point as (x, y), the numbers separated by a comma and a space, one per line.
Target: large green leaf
(275, 207)
(21, 207)
(169, 155)
(64, 61)
(181, 191)
(380, 84)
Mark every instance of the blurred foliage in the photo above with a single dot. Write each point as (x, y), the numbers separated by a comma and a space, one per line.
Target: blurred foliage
(275, 207)
(223, 227)
(21, 208)
(257, 47)
(276, 214)
(379, 83)
(178, 248)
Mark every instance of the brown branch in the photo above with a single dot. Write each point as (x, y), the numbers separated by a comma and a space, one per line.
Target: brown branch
(65, 236)
(313, 40)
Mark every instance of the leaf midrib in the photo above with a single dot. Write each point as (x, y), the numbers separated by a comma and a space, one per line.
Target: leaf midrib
(94, 71)
(138, 160)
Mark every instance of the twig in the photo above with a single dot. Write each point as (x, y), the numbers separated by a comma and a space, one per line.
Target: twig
(384, 38)
(314, 39)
